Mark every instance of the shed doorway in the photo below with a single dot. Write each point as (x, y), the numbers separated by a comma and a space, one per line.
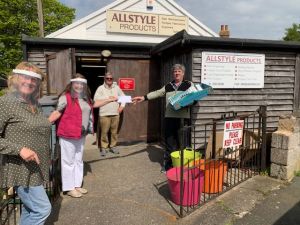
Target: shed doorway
(94, 69)
(137, 123)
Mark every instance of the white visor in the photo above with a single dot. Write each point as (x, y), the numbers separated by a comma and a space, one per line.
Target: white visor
(28, 73)
(78, 79)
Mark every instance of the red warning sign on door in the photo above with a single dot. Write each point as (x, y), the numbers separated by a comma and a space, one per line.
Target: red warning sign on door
(127, 84)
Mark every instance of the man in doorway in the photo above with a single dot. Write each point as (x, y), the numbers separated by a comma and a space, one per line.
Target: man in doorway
(174, 120)
(109, 114)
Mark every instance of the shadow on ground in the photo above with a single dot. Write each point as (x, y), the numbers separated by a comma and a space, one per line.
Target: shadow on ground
(55, 212)
(291, 217)
(155, 154)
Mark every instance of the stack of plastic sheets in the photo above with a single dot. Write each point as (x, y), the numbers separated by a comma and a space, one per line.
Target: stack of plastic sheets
(194, 93)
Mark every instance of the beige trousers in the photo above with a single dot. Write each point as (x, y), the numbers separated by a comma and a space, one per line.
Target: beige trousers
(109, 123)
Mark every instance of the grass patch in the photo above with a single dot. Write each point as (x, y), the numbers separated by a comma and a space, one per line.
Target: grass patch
(225, 207)
(264, 193)
(229, 222)
(297, 173)
(265, 172)
(2, 193)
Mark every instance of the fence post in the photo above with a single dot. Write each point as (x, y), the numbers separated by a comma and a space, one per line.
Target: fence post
(214, 140)
(263, 114)
(181, 134)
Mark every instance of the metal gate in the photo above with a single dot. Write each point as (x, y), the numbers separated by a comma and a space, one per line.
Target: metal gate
(9, 207)
(212, 169)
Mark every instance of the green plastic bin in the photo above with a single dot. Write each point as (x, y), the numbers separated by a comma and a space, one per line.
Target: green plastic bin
(188, 156)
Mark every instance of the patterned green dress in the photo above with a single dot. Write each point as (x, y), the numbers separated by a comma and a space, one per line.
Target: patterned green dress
(20, 127)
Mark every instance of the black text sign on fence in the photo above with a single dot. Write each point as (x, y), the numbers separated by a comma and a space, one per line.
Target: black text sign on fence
(233, 133)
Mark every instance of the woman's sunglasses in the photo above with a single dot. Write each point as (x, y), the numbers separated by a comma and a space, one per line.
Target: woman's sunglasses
(108, 78)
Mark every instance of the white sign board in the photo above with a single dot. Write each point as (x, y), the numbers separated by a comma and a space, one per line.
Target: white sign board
(144, 23)
(233, 70)
(233, 133)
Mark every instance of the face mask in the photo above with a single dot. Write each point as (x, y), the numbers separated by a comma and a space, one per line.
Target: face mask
(79, 88)
(27, 86)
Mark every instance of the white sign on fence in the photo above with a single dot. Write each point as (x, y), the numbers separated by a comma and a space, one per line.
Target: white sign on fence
(233, 70)
(233, 133)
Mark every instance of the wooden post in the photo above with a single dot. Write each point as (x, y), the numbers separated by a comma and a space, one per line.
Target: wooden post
(41, 18)
(296, 110)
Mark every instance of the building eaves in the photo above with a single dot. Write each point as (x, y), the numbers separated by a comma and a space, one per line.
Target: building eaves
(183, 39)
(83, 43)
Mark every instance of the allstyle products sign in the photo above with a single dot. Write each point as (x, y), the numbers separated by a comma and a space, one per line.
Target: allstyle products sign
(233, 133)
(144, 23)
(233, 70)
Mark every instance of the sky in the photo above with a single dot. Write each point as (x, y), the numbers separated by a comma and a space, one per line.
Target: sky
(251, 19)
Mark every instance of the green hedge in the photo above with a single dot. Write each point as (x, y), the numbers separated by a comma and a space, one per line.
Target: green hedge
(1, 92)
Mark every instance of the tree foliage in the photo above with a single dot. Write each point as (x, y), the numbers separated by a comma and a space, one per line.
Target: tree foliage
(292, 33)
(19, 17)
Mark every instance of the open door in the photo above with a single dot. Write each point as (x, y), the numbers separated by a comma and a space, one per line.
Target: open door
(60, 69)
(139, 122)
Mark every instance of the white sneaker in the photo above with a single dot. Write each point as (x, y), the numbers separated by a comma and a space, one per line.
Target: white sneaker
(114, 150)
(74, 194)
(81, 190)
(103, 152)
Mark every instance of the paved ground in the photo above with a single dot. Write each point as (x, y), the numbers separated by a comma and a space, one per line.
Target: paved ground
(129, 189)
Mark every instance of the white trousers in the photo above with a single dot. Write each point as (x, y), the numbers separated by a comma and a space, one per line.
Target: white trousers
(71, 162)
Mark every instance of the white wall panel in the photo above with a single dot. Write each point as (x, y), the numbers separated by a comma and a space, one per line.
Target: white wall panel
(93, 26)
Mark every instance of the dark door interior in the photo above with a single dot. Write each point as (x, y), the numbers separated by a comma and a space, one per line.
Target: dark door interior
(93, 68)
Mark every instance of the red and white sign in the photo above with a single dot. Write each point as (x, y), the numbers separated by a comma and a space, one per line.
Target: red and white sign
(233, 70)
(127, 84)
(233, 133)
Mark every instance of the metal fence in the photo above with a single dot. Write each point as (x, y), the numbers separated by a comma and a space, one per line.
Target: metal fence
(10, 204)
(209, 171)
(212, 169)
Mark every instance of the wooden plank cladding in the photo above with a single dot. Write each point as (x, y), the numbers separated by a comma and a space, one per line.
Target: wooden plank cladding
(38, 57)
(281, 86)
(278, 93)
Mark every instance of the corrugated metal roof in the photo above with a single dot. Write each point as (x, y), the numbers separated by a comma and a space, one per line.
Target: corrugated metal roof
(183, 39)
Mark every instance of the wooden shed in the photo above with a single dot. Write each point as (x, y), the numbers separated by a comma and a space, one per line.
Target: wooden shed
(128, 29)
(150, 66)
(62, 58)
(280, 92)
